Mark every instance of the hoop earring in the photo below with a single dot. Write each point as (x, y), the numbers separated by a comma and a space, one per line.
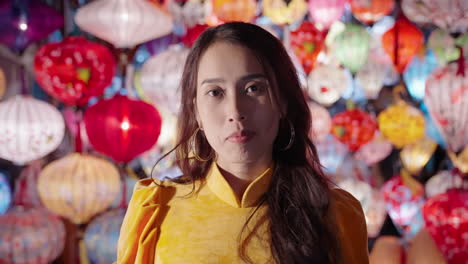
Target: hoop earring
(194, 148)
(291, 139)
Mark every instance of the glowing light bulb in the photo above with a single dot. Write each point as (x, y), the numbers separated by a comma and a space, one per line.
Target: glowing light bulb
(125, 125)
(23, 26)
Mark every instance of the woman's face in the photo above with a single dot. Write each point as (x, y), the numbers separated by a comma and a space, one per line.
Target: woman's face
(233, 105)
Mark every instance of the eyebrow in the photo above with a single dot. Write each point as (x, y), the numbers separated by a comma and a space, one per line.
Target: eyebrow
(244, 78)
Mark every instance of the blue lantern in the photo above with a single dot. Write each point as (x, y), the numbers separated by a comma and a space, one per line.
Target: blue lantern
(5, 193)
(417, 72)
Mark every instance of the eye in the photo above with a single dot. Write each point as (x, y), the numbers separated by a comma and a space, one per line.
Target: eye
(254, 88)
(215, 92)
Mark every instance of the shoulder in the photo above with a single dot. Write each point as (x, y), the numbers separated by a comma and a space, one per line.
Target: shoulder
(345, 203)
(158, 191)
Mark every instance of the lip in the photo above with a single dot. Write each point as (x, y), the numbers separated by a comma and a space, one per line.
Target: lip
(241, 136)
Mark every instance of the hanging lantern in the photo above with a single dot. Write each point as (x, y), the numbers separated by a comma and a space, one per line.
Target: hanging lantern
(401, 123)
(159, 45)
(74, 70)
(306, 43)
(446, 217)
(354, 128)
(351, 168)
(446, 99)
(188, 13)
(409, 41)
(101, 237)
(30, 236)
(284, 12)
(30, 129)
(351, 47)
(375, 150)
(415, 156)
(78, 186)
(449, 15)
(159, 79)
(371, 76)
(26, 186)
(325, 12)
(371, 11)
(443, 45)
(326, 84)
(233, 10)
(417, 11)
(417, 72)
(2, 83)
(5, 193)
(321, 122)
(192, 34)
(443, 181)
(331, 153)
(124, 23)
(132, 127)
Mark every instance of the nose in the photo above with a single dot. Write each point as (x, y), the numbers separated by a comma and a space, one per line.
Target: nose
(236, 109)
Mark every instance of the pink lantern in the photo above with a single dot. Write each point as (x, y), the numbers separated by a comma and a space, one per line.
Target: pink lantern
(188, 13)
(446, 217)
(325, 12)
(321, 121)
(375, 150)
(30, 129)
(124, 23)
(326, 84)
(417, 11)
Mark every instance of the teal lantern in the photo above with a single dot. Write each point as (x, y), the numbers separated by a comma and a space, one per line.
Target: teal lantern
(417, 72)
(351, 47)
(5, 193)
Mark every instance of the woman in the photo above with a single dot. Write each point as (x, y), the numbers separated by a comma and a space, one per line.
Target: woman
(252, 189)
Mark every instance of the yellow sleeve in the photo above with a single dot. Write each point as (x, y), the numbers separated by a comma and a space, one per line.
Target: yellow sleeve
(352, 227)
(140, 229)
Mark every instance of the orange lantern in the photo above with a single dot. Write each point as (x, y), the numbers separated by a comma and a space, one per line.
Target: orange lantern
(282, 12)
(371, 11)
(409, 40)
(232, 10)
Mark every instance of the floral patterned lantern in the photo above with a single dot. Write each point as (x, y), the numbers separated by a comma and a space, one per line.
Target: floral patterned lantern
(159, 79)
(442, 182)
(321, 121)
(446, 217)
(188, 13)
(74, 70)
(446, 98)
(444, 45)
(284, 12)
(417, 72)
(325, 12)
(351, 47)
(101, 237)
(331, 153)
(375, 150)
(306, 43)
(2, 83)
(78, 186)
(5, 193)
(415, 156)
(409, 40)
(326, 84)
(401, 123)
(124, 23)
(30, 236)
(354, 128)
(131, 126)
(30, 129)
(371, 11)
(232, 10)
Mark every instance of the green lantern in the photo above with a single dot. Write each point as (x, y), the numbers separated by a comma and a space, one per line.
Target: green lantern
(351, 47)
(444, 45)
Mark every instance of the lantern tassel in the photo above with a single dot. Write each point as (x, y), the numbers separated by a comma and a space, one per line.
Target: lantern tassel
(461, 63)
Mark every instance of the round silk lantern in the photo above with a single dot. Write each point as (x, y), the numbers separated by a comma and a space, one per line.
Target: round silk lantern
(417, 72)
(415, 156)
(443, 45)
(442, 182)
(188, 13)
(371, 76)
(351, 47)
(401, 123)
(417, 11)
(326, 84)
(371, 11)
(446, 99)
(74, 70)
(450, 16)
(30, 129)
(321, 121)
(30, 236)
(284, 12)
(351, 168)
(78, 186)
(354, 128)
(331, 153)
(159, 79)
(5, 193)
(132, 127)
(325, 12)
(409, 40)
(101, 237)
(375, 150)
(233, 10)
(306, 43)
(446, 217)
(2, 83)
(124, 23)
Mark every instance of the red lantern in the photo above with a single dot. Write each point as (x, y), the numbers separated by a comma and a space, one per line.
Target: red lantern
(122, 128)
(193, 33)
(446, 218)
(307, 42)
(409, 40)
(354, 128)
(371, 11)
(74, 70)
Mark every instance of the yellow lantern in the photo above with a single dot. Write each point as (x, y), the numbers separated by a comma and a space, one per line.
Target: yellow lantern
(78, 186)
(2, 83)
(460, 161)
(416, 155)
(281, 12)
(231, 10)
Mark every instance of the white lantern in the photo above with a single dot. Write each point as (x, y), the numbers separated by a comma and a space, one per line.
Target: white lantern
(190, 13)
(326, 84)
(30, 129)
(321, 121)
(124, 23)
(372, 75)
(443, 181)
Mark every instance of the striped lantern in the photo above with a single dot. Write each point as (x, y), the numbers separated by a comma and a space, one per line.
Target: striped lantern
(326, 12)
(371, 11)
(30, 236)
(30, 129)
(326, 84)
(284, 12)
(2, 83)
(5, 193)
(101, 237)
(124, 23)
(321, 121)
(78, 186)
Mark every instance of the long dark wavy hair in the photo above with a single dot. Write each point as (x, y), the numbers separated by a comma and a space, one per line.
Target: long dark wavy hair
(298, 198)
